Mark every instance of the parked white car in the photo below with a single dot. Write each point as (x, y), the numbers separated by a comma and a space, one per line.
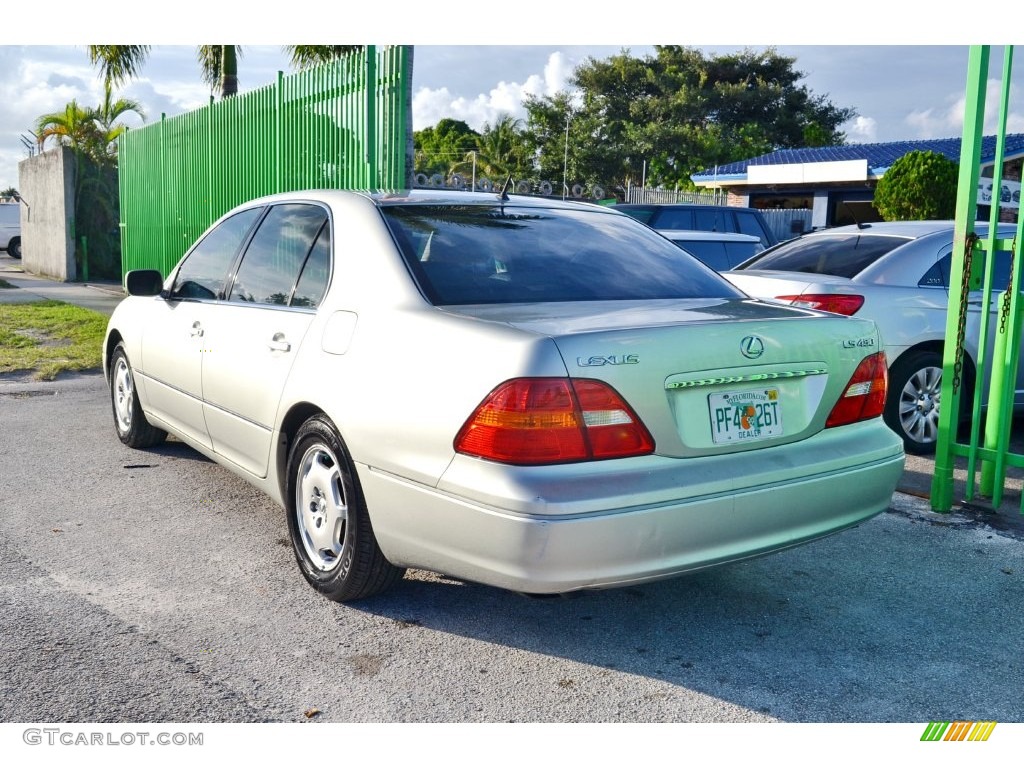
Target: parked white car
(10, 229)
(896, 274)
(537, 395)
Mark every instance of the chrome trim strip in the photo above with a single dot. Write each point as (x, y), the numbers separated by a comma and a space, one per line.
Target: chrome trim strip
(718, 380)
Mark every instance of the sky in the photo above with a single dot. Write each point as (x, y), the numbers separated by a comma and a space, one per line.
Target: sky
(900, 92)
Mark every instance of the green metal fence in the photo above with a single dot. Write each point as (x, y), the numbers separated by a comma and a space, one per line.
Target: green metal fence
(988, 451)
(339, 126)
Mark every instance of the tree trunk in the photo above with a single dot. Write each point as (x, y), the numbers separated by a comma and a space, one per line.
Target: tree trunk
(228, 71)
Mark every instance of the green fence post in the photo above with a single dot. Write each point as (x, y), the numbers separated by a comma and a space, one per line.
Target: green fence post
(966, 206)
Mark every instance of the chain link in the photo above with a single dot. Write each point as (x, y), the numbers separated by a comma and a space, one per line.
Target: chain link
(965, 290)
(1005, 313)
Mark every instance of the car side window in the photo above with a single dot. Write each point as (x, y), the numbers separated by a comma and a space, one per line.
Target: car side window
(940, 272)
(675, 218)
(313, 281)
(938, 275)
(204, 270)
(711, 220)
(273, 260)
(748, 224)
(711, 253)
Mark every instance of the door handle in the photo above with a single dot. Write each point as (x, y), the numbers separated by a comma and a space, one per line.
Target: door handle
(197, 329)
(279, 344)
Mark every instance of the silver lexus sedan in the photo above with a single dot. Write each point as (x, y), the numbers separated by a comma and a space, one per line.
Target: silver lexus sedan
(537, 395)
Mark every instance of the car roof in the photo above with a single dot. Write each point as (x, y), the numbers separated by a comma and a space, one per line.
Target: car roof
(913, 229)
(698, 234)
(908, 229)
(688, 206)
(385, 198)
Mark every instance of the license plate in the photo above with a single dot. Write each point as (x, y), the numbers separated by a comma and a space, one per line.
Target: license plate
(738, 417)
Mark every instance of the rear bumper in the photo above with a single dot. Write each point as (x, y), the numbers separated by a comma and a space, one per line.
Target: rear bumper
(607, 524)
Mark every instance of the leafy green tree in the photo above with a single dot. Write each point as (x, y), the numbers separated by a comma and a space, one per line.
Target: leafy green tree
(678, 112)
(919, 185)
(443, 146)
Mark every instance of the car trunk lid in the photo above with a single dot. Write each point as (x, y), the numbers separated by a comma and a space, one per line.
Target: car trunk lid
(706, 376)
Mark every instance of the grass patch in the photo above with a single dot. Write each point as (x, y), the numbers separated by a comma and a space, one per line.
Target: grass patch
(49, 338)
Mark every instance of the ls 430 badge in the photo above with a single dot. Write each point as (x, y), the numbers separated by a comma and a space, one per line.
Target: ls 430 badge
(851, 343)
(597, 360)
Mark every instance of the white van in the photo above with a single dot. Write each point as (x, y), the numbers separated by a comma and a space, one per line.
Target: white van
(10, 229)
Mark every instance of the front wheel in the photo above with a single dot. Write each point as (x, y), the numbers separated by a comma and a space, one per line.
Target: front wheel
(328, 523)
(912, 408)
(129, 421)
(14, 248)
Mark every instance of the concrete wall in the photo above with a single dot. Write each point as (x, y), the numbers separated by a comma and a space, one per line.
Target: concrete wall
(46, 183)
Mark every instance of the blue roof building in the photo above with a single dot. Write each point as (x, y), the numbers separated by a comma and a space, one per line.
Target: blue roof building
(838, 183)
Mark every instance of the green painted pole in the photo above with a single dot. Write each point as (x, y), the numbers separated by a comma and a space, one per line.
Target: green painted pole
(373, 182)
(966, 206)
(997, 438)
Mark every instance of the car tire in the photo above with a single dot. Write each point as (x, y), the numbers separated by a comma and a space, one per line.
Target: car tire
(328, 520)
(129, 421)
(14, 248)
(912, 406)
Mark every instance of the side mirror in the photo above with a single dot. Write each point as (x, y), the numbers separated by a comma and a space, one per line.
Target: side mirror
(144, 282)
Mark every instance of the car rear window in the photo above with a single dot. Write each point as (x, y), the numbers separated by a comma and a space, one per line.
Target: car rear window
(506, 254)
(843, 255)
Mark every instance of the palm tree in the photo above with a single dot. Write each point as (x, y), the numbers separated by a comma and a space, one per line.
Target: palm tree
(74, 127)
(499, 150)
(91, 130)
(219, 63)
(120, 63)
(306, 56)
(110, 111)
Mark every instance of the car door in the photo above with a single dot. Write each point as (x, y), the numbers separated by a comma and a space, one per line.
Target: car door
(174, 338)
(252, 342)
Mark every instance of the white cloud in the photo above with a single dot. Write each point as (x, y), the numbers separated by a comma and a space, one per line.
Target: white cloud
(948, 121)
(557, 73)
(432, 104)
(862, 130)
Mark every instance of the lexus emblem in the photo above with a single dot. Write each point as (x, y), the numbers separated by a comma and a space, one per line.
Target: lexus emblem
(752, 347)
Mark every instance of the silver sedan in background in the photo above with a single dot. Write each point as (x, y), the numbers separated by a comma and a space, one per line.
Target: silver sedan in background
(536, 395)
(897, 274)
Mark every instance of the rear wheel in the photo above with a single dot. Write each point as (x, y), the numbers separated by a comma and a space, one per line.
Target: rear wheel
(328, 522)
(14, 248)
(912, 409)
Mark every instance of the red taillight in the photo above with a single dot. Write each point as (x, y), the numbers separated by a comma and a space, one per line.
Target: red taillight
(864, 397)
(553, 420)
(840, 303)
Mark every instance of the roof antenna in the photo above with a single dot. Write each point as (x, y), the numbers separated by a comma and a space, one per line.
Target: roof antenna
(503, 194)
(853, 216)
